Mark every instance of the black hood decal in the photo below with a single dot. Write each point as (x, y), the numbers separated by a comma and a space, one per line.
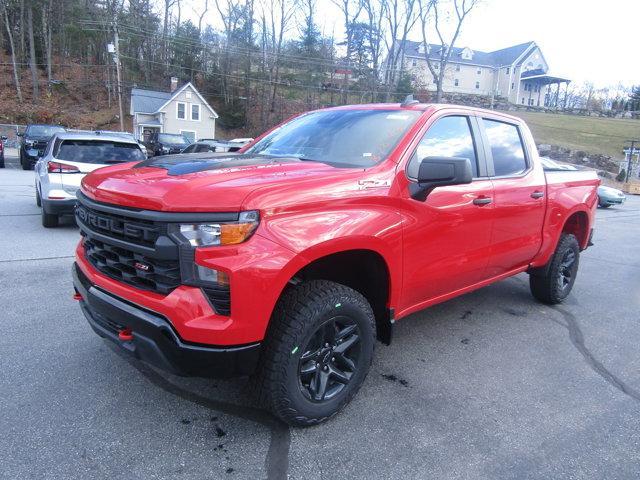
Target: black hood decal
(184, 164)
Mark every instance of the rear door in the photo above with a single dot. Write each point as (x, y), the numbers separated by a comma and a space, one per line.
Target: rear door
(89, 155)
(519, 194)
(446, 248)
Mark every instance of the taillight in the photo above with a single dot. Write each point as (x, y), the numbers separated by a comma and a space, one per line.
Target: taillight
(55, 167)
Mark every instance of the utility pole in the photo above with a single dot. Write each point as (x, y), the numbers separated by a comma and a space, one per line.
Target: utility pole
(116, 58)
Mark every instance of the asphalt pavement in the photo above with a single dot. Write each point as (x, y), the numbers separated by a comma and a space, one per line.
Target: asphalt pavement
(491, 385)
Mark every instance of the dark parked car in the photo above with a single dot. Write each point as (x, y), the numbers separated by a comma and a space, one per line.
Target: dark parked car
(202, 146)
(2, 139)
(34, 141)
(165, 143)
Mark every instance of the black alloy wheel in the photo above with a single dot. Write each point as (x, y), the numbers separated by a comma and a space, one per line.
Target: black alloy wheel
(566, 270)
(330, 359)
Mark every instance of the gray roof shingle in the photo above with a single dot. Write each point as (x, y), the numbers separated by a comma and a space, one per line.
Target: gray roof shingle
(497, 58)
(147, 101)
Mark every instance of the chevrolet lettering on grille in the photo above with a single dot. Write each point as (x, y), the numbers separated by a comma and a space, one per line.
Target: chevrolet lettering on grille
(116, 226)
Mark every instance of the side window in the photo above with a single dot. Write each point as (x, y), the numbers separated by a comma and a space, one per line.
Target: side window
(506, 148)
(447, 137)
(189, 149)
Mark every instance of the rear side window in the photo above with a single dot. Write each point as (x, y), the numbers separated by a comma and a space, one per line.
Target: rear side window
(447, 137)
(98, 151)
(506, 148)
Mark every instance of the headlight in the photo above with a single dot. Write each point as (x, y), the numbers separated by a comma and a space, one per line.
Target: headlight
(228, 233)
(165, 150)
(29, 142)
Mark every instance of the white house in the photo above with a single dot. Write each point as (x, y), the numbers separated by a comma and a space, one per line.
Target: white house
(182, 110)
(518, 73)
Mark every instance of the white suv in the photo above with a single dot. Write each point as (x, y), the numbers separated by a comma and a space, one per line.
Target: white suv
(67, 159)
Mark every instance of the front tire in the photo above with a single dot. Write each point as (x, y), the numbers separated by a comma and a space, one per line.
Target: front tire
(317, 353)
(553, 283)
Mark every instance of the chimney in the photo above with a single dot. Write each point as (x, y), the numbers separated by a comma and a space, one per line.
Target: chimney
(174, 84)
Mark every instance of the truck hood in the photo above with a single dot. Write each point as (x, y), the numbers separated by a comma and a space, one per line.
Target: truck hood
(215, 184)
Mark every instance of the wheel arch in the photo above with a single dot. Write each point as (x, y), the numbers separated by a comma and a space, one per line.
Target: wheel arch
(364, 269)
(577, 224)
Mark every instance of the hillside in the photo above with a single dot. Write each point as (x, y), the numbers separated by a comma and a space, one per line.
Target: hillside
(605, 136)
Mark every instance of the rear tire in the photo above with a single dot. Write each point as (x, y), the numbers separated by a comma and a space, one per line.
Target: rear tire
(553, 283)
(317, 352)
(49, 220)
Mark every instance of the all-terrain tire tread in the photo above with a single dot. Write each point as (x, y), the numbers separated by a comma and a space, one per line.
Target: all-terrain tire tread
(297, 304)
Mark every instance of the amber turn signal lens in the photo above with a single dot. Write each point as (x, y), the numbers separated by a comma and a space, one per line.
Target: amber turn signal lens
(233, 233)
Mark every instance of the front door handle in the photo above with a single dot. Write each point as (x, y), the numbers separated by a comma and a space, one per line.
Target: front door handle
(537, 194)
(482, 201)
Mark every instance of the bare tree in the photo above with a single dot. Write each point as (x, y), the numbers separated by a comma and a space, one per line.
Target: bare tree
(46, 36)
(32, 53)
(281, 12)
(201, 16)
(16, 78)
(401, 16)
(350, 11)
(439, 12)
(376, 12)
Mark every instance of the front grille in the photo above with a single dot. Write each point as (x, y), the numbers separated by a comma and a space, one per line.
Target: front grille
(135, 269)
(120, 227)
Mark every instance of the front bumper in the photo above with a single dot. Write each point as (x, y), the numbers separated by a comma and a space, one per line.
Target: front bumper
(153, 338)
(612, 200)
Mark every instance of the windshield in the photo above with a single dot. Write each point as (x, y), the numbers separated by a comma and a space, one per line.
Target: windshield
(352, 138)
(98, 151)
(43, 130)
(172, 139)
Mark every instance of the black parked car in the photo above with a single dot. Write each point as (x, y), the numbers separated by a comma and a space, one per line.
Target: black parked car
(165, 143)
(34, 141)
(213, 145)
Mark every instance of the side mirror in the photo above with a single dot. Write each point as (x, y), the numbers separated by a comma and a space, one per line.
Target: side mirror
(3, 137)
(20, 134)
(439, 172)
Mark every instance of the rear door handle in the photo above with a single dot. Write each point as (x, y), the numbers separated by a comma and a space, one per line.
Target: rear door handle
(482, 201)
(537, 194)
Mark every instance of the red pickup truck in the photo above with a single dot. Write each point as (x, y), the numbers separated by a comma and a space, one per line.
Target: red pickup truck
(286, 261)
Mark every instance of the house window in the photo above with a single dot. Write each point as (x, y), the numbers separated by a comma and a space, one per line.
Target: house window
(457, 68)
(188, 94)
(477, 85)
(455, 82)
(508, 70)
(181, 113)
(513, 85)
(479, 71)
(414, 63)
(195, 112)
(523, 100)
(189, 135)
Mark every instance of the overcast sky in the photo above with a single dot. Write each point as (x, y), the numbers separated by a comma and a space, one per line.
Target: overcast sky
(583, 40)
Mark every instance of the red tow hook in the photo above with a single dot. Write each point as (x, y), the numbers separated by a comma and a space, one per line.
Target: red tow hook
(125, 335)
(77, 296)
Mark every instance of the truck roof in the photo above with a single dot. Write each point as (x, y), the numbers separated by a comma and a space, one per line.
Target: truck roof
(423, 107)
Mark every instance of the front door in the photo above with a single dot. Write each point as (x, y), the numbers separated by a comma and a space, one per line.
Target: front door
(446, 248)
(519, 197)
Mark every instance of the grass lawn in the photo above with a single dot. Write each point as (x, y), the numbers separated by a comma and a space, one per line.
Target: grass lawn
(590, 134)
